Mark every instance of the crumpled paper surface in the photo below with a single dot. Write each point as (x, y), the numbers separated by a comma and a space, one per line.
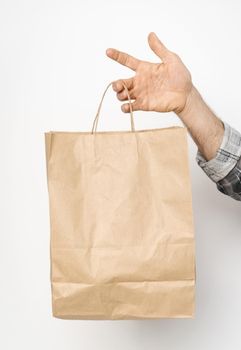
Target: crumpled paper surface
(121, 224)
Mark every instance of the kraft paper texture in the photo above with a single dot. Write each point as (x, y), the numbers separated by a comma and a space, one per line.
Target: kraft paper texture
(121, 224)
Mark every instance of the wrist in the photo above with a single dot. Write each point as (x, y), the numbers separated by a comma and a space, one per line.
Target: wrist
(204, 126)
(194, 102)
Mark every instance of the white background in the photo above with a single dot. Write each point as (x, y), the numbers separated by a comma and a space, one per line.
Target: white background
(53, 71)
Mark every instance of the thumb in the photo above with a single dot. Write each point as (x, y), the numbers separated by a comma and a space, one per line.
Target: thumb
(158, 47)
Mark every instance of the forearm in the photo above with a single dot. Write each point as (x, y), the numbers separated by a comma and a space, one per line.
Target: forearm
(205, 128)
(219, 145)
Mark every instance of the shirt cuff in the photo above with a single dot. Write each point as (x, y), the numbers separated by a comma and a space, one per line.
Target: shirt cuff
(226, 157)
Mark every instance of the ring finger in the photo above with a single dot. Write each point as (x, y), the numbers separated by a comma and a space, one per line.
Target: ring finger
(122, 96)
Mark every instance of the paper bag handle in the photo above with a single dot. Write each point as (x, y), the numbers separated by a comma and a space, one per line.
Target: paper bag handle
(94, 127)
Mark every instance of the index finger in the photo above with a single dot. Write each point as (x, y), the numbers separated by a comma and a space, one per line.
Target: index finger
(123, 58)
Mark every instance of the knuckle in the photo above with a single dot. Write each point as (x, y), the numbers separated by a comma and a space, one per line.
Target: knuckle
(120, 95)
(175, 55)
(125, 60)
(118, 86)
(118, 56)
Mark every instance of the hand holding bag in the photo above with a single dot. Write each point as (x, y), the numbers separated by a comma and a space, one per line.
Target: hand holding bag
(121, 223)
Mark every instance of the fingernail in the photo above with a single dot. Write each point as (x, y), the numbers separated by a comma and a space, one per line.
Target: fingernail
(124, 108)
(109, 52)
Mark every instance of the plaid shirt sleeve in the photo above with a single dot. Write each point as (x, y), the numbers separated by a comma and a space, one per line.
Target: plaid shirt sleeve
(225, 168)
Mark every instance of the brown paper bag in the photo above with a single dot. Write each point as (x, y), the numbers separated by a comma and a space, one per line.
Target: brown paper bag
(122, 232)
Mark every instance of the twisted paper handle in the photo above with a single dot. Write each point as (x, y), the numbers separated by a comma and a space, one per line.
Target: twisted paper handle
(94, 127)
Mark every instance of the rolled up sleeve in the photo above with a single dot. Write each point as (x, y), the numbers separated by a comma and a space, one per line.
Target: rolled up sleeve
(224, 168)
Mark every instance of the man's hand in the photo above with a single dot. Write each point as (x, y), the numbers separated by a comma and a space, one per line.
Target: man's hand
(165, 87)
(160, 87)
